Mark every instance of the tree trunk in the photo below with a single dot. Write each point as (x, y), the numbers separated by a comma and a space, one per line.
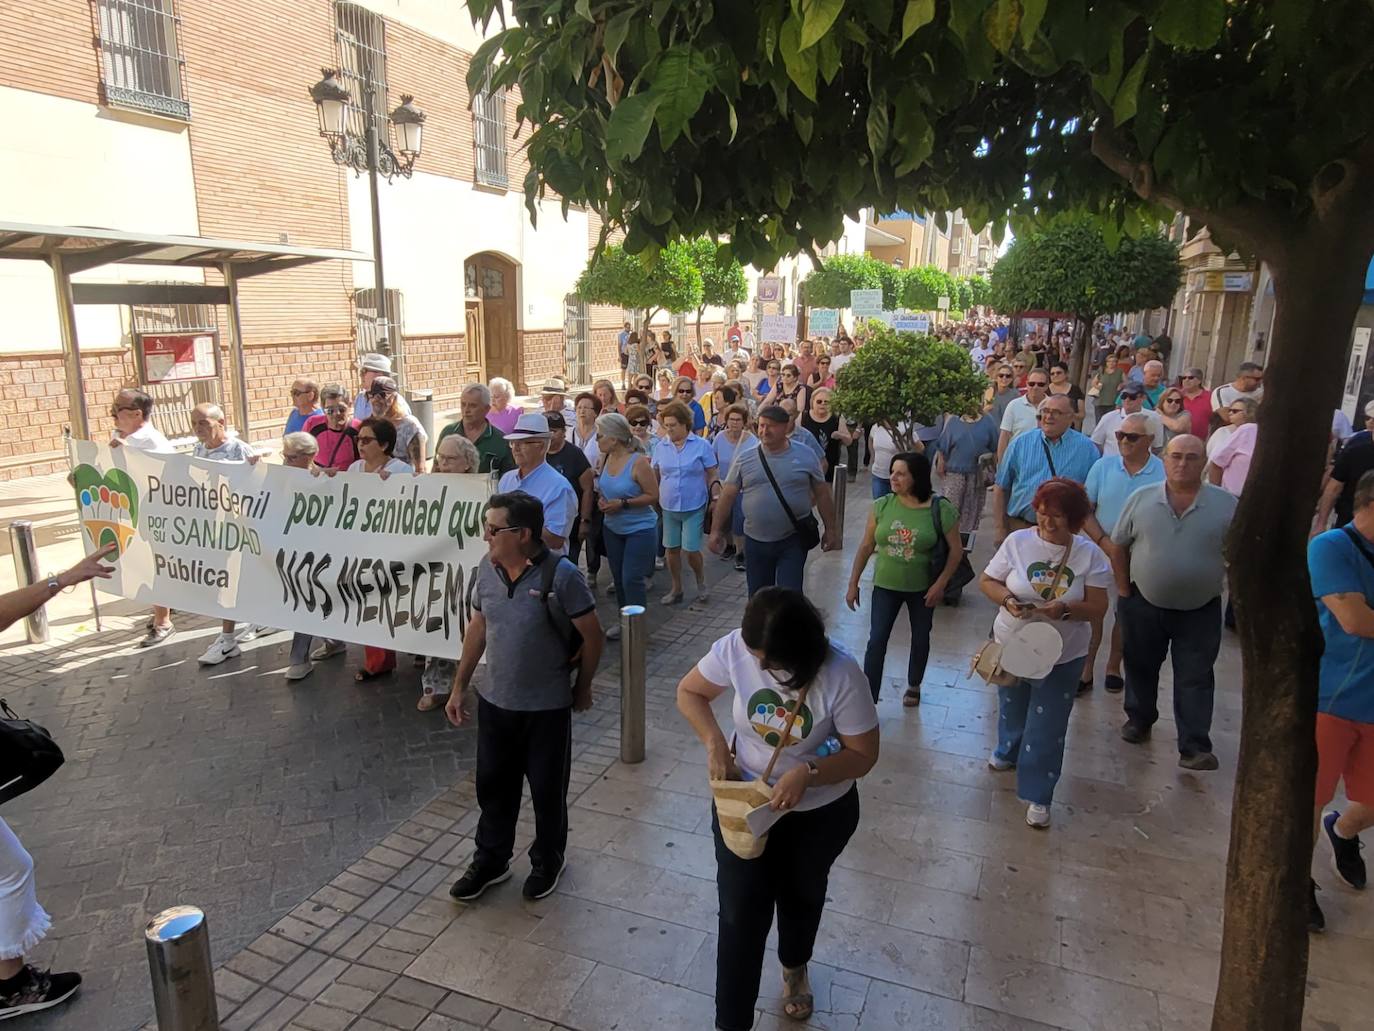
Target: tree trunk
(700, 312)
(1079, 366)
(1318, 284)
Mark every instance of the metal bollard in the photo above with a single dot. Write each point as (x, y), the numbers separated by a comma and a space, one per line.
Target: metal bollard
(26, 572)
(178, 941)
(632, 640)
(839, 486)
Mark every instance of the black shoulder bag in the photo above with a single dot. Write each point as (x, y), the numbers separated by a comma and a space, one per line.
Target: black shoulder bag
(1359, 543)
(28, 755)
(939, 554)
(808, 530)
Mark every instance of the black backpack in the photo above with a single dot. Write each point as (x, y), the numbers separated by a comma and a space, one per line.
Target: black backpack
(562, 625)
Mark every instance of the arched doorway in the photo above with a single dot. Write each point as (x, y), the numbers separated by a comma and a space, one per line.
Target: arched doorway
(490, 280)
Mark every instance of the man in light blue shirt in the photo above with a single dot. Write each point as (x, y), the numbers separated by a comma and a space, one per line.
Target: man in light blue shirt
(1111, 480)
(1055, 449)
(529, 444)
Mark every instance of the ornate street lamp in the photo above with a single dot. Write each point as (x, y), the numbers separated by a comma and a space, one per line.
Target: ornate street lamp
(371, 153)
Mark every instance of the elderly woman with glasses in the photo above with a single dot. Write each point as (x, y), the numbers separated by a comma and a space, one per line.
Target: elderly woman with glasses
(503, 411)
(299, 451)
(829, 430)
(685, 390)
(454, 455)
(1000, 393)
(305, 401)
(376, 444)
(1173, 415)
(385, 397)
(335, 432)
(686, 467)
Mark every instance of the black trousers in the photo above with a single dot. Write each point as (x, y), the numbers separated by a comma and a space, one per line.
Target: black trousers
(790, 876)
(514, 746)
(1193, 637)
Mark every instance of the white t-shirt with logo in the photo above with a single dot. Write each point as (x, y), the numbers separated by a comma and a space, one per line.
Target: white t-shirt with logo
(146, 438)
(838, 702)
(1026, 564)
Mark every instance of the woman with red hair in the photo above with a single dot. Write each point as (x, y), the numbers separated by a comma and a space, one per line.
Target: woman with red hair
(1049, 572)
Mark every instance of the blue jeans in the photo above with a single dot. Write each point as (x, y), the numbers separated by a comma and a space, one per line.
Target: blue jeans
(1033, 723)
(885, 605)
(881, 487)
(631, 556)
(773, 563)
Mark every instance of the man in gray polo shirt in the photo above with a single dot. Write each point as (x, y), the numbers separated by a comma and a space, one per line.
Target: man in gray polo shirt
(1169, 574)
(773, 552)
(527, 696)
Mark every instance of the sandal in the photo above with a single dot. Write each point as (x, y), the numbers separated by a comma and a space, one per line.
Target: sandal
(796, 1005)
(429, 702)
(912, 697)
(362, 676)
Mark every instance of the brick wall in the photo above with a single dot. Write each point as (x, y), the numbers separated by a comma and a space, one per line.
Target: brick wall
(271, 369)
(439, 363)
(49, 49)
(542, 356)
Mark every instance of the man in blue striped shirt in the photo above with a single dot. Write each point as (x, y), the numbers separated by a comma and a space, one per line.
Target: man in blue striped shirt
(1055, 448)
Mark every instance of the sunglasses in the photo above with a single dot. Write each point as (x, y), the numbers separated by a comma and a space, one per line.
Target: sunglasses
(1189, 377)
(1038, 383)
(1004, 375)
(639, 422)
(685, 390)
(338, 410)
(1128, 438)
(789, 375)
(1171, 401)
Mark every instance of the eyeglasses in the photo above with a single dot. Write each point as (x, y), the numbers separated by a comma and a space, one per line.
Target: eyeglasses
(491, 531)
(366, 440)
(1189, 376)
(789, 375)
(1128, 438)
(1004, 375)
(639, 422)
(116, 409)
(820, 401)
(338, 410)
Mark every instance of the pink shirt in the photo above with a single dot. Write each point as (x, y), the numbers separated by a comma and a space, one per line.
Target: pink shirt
(1234, 457)
(504, 421)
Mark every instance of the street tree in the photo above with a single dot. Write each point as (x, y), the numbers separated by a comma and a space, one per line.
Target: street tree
(899, 380)
(924, 286)
(1068, 267)
(829, 283)
(722, 277)
(767, 121)
(978, 291)
(667, 280)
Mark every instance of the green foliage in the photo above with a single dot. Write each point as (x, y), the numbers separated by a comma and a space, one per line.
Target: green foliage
(722, 277)
(962, 296)
(647, 111)
(668, 281)
(1069, 267)
(979, 291)
(896, 380)
(956, 314)
(828, 285)
(923, 287)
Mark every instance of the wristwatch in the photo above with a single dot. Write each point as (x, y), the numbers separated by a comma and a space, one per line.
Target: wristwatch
(812, 768)
(53, 583)
(1065, 616)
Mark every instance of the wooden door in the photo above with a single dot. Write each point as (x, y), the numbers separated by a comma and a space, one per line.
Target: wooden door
(494, 280)
(476, 343)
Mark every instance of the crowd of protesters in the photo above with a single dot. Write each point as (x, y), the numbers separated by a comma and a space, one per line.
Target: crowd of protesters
(1110, 503)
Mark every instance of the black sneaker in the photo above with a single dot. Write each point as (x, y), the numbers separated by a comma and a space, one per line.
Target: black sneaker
(1114, 683)
(1316, 919)
(1134, 733)
(1345, 853)
(39, 990)
(739, 563)
(729, 552)
(477, 880)
(542, 882)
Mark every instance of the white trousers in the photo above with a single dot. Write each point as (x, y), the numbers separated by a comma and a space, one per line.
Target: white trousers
(23, 923)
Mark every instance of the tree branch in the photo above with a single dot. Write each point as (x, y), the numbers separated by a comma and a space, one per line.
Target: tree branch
(1248, 221)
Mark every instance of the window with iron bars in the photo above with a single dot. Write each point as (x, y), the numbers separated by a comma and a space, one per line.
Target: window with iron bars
(489, 134)
(140, 58)
(360, 40)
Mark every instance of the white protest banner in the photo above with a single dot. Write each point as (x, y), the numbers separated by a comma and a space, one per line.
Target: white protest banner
(779, 329)
(866, 303)
(943, 303)
(823, 321)
(911, 323)
(389, 563)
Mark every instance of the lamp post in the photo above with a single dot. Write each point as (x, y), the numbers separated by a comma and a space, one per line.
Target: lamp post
(375, 156)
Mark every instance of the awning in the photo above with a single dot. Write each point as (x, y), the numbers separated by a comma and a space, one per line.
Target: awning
(87, 247)
(71, 249)
(875, 237)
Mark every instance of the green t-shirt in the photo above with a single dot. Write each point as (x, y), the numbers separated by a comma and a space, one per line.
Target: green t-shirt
(492, 450)
(904, 538)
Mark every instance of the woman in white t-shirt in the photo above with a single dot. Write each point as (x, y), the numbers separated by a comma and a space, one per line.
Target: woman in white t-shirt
(1048, 572)
(780, 648)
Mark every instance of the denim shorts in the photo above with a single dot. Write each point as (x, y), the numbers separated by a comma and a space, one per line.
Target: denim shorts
(683, 529)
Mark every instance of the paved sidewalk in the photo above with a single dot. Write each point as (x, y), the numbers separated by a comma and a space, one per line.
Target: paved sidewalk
(945, 911)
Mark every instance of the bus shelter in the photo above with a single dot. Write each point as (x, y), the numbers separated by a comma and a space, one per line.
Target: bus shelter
(69, 250)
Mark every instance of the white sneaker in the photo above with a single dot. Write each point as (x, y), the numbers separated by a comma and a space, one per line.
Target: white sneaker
(1000, 765)
(299, 671)
(613, 632)
(224, 647)
(253, 631)
(327, 650)
(1038, 815)
(658, 563)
